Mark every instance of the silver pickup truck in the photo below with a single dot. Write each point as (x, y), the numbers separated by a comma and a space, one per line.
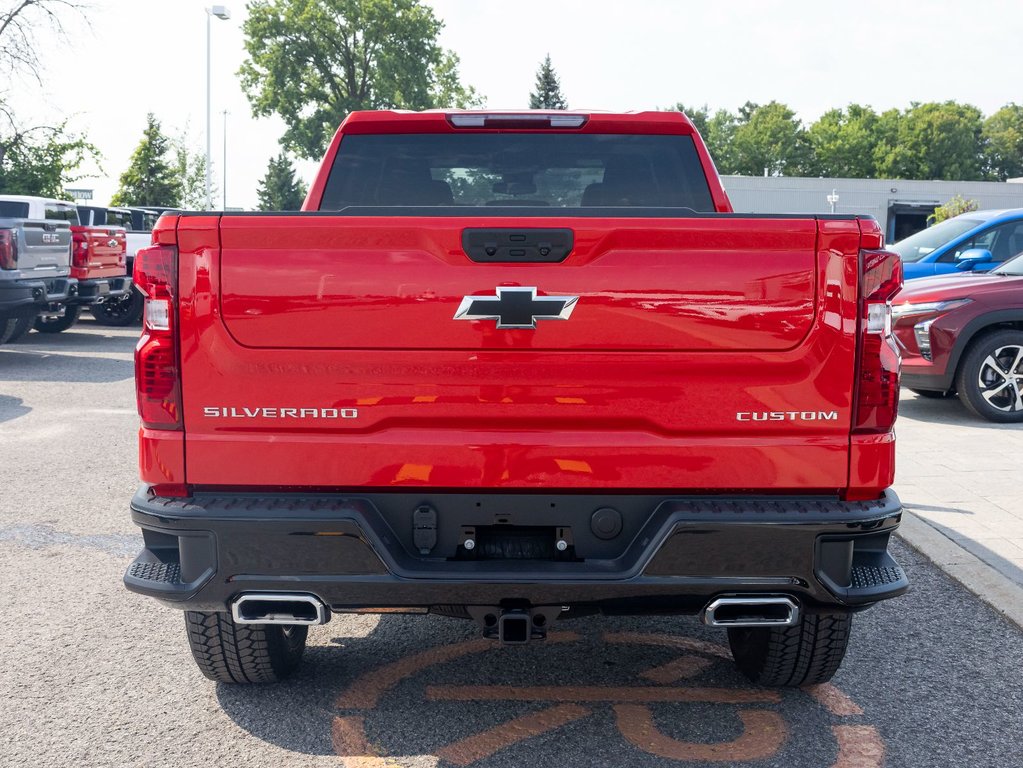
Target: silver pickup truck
(35, 260)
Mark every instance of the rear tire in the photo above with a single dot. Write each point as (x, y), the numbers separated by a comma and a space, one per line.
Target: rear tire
(59, 324)
(7, 327)
(805, 654)
(243, 653)
(22, 327)
(120, 312)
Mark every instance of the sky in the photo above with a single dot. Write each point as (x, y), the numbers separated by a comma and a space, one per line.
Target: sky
(140, 56)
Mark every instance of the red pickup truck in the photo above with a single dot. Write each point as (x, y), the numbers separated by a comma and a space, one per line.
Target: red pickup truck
(97, 263)
(517, 368)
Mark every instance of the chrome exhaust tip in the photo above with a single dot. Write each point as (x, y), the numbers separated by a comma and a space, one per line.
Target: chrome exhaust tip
(751, 612)
(279, 608)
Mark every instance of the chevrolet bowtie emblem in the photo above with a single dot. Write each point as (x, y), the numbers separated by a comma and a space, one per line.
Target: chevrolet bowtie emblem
(517, 307)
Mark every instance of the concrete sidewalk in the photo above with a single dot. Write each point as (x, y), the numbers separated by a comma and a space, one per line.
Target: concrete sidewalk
(961, 481)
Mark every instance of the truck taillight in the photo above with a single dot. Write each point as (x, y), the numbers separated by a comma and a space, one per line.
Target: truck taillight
(79, 250)
(157, 367)
(8, 249)
(877, 385)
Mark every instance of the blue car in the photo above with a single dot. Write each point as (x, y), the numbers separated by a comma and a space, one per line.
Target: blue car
(971, 242)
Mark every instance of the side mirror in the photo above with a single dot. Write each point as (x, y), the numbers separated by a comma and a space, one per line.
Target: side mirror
(970, 258)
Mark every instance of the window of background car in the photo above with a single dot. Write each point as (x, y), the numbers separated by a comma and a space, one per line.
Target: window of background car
(90, 215)
(915, 247)
(149, 221)
(61, 212)
(118, 218)
(538, 170)
(1013, 267)
(1004, 242)
(12, 210)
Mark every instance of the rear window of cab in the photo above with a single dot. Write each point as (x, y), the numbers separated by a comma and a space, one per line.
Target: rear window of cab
(535, 170)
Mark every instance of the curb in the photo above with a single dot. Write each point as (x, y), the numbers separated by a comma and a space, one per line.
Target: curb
(998, 591)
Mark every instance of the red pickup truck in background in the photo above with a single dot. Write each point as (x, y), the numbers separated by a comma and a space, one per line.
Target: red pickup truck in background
(517, 368)
(98, 263)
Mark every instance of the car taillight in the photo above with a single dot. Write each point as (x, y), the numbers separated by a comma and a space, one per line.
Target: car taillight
(877, 385)
(8, 249)
(79, 250)
(157, 368)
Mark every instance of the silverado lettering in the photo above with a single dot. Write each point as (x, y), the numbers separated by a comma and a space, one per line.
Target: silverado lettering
(244, 412)
(511, 470)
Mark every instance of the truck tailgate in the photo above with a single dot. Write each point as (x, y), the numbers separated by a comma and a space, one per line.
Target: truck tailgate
(703, 353)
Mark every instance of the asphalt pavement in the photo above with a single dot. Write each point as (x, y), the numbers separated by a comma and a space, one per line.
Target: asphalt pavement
(91, 675)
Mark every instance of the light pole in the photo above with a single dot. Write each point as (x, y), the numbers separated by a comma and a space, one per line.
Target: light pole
(225, 160)
(222, 13)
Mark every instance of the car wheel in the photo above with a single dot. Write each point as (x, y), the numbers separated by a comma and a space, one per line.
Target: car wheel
(7, 327)
(23, 326)
(990, 378)
(243, 653)
(931, 394)
(805, 654)
(120, 312)
(58, 324)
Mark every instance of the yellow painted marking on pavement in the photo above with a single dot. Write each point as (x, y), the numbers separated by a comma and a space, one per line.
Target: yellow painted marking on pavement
(679, 669)
(763, 734)
(833, 700)
(859, 746)
(592, 693)
(484, 744)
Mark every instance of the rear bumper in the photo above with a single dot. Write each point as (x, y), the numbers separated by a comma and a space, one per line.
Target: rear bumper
(19, 295)
(100, 289)
(673, 555)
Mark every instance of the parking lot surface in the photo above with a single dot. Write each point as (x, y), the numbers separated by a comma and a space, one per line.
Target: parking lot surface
(96, 676)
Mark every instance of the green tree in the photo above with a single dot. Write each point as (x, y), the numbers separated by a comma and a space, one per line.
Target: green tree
(951, 209)
(769, 137)
(42, 161)
(313, 61)
(698, 116)
(281, 189)
(842, 142)
(190, 168)
(1002, 136)
(717, 130)
(547, 91)
(934, 141)
(151, 177)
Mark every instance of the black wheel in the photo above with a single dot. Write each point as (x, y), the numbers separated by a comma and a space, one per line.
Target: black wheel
(7, 327)
(120, 312)
(805, 654)
(243, 653)
(930, 394)
(58, 324)
(21, 327)
(990, 377)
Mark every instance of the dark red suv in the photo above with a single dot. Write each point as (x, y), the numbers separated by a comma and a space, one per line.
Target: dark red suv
(964, 334)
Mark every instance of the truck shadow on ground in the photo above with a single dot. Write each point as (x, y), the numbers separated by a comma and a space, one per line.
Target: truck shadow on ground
(946, 410)
(426, 690)
(12, 408)
(45, 364)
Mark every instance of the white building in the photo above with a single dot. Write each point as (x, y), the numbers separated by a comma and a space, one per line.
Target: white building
(901, 206)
